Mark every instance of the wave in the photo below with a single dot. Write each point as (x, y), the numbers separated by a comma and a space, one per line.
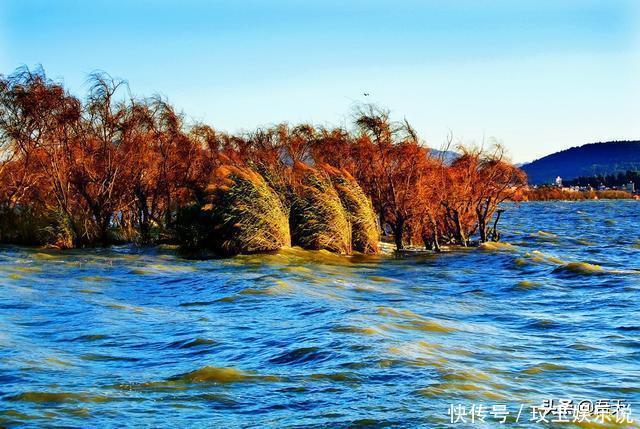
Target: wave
(581, 268)
(58, 397)
(190, 343)
(570, 267)
(205, 375)
(497, 246)
(301, 355)
(212, 374)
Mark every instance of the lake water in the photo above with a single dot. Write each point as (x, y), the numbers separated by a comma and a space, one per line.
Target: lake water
(123, 336)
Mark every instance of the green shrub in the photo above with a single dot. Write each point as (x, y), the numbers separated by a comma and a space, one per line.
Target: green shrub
(33, 226)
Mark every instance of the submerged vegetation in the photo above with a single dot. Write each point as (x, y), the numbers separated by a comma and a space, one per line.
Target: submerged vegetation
(116, 168)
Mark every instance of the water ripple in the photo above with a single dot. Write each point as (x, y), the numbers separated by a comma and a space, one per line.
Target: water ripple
(99, 337)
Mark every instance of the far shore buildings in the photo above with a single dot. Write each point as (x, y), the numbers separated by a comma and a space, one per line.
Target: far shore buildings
(629, 187)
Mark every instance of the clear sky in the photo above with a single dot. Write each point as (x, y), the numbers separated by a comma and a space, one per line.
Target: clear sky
(537, 75)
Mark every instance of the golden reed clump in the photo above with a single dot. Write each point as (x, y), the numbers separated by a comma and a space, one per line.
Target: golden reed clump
(247, 214)
(365, 233)
(318, 219)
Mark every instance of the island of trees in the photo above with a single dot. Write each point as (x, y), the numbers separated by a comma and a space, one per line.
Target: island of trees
(113, 168)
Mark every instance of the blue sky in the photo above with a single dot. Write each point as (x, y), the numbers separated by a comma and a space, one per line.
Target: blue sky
(537, 75)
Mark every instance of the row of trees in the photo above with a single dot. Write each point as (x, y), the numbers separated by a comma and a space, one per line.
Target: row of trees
(115, 167)
(110, 162)
(553, 193)
(609, 180)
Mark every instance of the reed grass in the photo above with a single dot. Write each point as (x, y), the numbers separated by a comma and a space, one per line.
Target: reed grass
(247, 215)
(365, 233)
(319, 221)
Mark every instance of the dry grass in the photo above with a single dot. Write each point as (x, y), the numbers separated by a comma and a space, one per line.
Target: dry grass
(318, 219)
(247, 214)
(365, 234)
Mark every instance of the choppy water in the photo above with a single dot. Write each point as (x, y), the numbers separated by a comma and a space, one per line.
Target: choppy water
(122, 337)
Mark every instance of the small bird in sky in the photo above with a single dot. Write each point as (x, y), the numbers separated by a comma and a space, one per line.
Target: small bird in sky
(366, 94)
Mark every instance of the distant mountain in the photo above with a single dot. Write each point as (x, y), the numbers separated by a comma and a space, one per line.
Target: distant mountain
(447, 156)
(588, 160)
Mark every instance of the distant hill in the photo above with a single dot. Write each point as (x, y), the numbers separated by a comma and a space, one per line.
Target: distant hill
(588, 160)
(447, 156)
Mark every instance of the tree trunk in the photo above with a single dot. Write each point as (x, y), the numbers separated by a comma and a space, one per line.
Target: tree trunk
(428, 244)
(145, 227)
(459, 232)
(482, 227)
(398, 231)
(483, 214)
(495, 236)
(103, 232)
(435, 245)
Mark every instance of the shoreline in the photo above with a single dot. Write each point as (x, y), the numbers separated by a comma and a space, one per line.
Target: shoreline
(386, 245)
